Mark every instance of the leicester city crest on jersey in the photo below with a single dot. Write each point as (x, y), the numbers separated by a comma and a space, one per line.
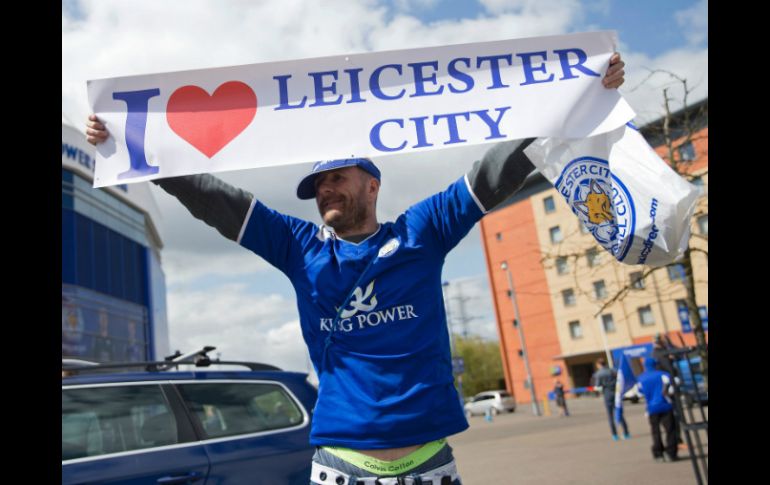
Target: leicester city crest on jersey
(389, 248)
(601, 202)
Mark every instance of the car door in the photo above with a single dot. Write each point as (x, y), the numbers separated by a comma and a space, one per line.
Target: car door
(481, 403)
(126, 434)
(254, 432)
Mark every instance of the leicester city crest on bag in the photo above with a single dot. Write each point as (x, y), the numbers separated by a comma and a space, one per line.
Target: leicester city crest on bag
(601, 202)
(635, 206)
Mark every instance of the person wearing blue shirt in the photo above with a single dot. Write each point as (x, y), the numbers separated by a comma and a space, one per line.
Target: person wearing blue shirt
(656, 385)
(370, 303)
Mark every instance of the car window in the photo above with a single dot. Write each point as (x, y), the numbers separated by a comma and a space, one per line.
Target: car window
(227, 409)
(102, 420)
(505, 394)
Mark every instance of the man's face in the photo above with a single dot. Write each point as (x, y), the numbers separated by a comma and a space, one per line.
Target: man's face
(343, 197)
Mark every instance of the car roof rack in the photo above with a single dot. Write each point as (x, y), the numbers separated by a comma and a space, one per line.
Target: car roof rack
(198, 358)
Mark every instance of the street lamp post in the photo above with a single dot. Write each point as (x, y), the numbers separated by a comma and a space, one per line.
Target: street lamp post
(604, 340)
(452, 343)
(453, 346)
(525, 355)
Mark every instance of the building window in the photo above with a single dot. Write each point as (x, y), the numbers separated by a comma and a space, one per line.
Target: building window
(645, 316)
(575, 330)
(556, 236)
(687, 152)
(499, 236)
(703, 224)
(509, 292)
(549, 205)
(600, 289)
(675, 272)
(561, 265)
(608, 323)
(569, 297)
(637, 281)
(681, 306)
(592, 256)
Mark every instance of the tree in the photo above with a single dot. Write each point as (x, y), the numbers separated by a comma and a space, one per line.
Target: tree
(483, 367)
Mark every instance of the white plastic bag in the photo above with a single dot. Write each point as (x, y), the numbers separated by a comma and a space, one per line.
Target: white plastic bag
(633, 203)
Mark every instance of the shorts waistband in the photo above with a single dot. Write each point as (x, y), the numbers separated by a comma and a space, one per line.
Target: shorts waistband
(443, 475)
(401, 465)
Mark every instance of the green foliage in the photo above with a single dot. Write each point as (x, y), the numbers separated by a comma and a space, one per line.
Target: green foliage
(483, 367)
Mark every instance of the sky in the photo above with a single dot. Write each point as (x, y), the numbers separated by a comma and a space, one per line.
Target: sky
(223, 295)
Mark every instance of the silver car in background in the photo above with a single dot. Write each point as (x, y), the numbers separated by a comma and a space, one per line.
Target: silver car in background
(495, 401)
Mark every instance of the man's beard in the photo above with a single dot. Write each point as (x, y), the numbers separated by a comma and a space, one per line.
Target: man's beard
(350, 215)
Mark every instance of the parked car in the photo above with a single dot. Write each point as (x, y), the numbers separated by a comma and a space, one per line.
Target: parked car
(155, 425)
(496, 401)
(634, 395)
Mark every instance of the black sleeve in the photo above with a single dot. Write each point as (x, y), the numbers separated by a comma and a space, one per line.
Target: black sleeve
(211, 200)
(501, 172)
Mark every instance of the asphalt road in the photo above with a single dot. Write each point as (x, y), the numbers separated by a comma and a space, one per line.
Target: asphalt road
(521, 448)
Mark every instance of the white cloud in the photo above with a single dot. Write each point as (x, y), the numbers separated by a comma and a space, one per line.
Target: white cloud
(243, 326)
(470, 307)
(694, 22)
(412, 5)
(404, 32)
(601, 7)
(645, 92)
(539, 7)
(188, 267)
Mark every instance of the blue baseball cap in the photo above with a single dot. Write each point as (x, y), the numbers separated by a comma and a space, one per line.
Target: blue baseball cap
(306, 187)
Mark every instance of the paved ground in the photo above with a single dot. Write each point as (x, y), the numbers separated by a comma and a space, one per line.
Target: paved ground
(521, 448)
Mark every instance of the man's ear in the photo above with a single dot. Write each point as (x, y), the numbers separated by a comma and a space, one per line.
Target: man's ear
(374, 186)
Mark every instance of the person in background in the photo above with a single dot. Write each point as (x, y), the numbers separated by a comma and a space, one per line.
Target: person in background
(607, 378)
(656, 385)
(558, 390)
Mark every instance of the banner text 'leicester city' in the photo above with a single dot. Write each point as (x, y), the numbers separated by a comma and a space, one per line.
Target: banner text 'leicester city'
(362, 105)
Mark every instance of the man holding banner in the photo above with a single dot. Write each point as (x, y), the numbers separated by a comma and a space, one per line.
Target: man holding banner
(369, 297)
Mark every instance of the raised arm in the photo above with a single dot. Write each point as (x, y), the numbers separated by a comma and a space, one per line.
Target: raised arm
(503, 169)
(208, 198)
(500, 173)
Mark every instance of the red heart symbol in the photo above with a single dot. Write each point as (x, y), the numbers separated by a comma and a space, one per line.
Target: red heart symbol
(210, 122)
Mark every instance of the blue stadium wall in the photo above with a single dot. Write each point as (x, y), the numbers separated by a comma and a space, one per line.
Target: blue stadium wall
(113, 286)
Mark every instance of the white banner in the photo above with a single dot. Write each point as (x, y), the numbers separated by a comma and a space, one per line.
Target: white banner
(361, 105)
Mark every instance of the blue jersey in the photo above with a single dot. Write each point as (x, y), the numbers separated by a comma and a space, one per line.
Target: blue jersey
(385, 380)
(653, 384)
